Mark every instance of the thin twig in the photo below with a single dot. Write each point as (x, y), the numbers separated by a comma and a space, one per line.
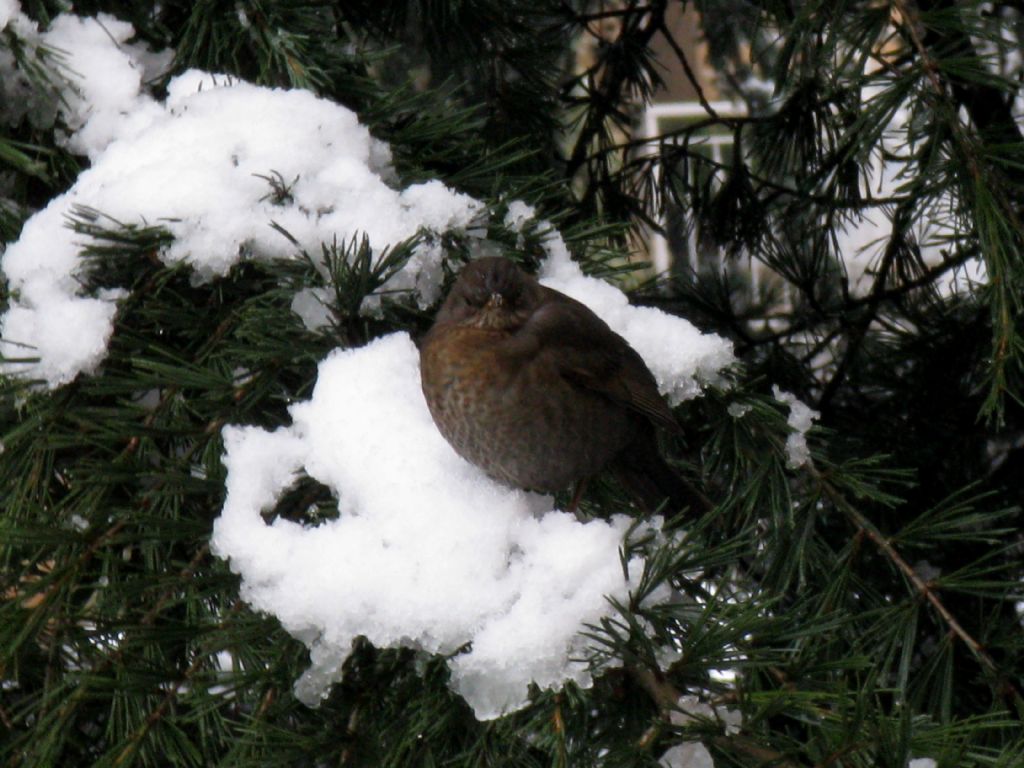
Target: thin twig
(606, 98)
(778, 189)
(681, 56)
(874, 300)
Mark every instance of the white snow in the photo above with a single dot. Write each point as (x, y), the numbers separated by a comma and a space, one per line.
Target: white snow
(681, 358)
(107, 99)
(8, 10)
(690, 709)
(518, 217)
(801, 419)
(689, 755)
(312, 305)
(739, 410)
(193, 164)
(921, 762)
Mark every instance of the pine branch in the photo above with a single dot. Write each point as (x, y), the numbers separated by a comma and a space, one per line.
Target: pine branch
(160, 711)
(993, 118)
(986, 104)
(856, 334)
(842, 653)
(609, 85)
(1002, 685)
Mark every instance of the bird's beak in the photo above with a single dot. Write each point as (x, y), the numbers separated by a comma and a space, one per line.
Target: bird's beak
(495, 301)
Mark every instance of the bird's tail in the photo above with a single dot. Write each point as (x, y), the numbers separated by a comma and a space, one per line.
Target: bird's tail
(654, 484)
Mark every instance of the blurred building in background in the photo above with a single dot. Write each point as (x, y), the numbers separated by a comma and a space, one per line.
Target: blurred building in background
(691, 95)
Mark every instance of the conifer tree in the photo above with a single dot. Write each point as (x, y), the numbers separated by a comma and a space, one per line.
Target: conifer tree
(862, 608)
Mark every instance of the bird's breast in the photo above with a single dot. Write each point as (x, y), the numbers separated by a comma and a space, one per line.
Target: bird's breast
(515, 416)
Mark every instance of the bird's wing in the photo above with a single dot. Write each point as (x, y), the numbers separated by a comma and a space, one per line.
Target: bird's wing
(590, 354)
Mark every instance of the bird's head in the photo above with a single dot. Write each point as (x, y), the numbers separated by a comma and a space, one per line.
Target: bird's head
(491, 293)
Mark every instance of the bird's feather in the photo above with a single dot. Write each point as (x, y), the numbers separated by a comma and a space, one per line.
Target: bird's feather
(591, 355)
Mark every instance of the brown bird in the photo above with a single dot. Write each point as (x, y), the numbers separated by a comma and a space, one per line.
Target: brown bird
(535, 389)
